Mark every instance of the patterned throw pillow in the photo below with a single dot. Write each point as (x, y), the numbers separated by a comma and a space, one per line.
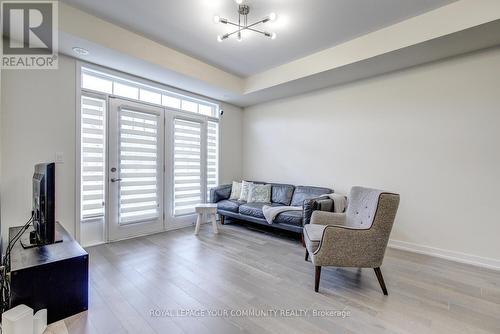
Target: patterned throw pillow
(235, 191)
(244, 190)
(259, 193)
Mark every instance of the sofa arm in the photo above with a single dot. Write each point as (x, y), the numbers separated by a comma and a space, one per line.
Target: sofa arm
(328, 218)
(220, 193)
(310, 205)
(324, 204)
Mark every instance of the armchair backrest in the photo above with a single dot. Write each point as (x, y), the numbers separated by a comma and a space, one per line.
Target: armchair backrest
(363, 203)
(374, 210)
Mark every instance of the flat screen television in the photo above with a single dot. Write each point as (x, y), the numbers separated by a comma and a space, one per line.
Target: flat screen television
(44, 204)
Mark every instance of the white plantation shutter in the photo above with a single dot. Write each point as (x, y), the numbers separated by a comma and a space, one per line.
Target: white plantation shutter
(187, 166)
(93, 115)
(139, 190)
(212, 156)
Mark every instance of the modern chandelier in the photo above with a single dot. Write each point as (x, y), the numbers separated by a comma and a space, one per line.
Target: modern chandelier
(242, 23)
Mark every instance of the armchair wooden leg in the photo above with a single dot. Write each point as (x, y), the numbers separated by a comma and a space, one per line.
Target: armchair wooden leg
(307, 255)
(302, 240)
(222, 220)
(380, 278)
(316, 278)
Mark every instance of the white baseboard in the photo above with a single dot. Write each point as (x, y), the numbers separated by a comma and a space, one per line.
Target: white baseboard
(446, 254)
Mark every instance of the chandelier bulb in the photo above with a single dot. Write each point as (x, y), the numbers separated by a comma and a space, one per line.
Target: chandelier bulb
(239, 2)
(216, 19)
(273, 35)
(273, 16)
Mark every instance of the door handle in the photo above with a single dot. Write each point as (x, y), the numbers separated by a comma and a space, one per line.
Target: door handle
(115, 180)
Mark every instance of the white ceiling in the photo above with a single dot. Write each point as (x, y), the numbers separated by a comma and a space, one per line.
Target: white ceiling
(303, 26)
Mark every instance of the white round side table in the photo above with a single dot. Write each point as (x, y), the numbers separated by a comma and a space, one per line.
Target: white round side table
(209, 210)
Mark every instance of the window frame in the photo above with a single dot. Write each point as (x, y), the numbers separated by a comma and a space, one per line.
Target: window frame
(168, 110)
(128, 79)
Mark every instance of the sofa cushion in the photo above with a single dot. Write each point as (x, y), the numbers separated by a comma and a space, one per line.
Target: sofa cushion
(229, 205)
(245, 187)
(302, 193)
(235, 191)
(312, 236)
(290, 218)
(252, 209)
(259, 193)
(282, 193)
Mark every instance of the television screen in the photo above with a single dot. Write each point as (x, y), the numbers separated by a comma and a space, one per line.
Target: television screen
(44, 203)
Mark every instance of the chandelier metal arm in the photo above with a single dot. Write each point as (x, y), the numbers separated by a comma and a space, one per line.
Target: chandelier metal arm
(265, 33)
(245, 27)
(242, 23)
(248, 27)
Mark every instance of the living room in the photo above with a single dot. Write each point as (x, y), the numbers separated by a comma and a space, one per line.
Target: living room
(250, 166)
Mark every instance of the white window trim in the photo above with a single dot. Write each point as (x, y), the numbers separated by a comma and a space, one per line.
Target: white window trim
(148, 84)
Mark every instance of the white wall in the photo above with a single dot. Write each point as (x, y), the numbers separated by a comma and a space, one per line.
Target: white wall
(38, 109)
(1, 108)
(38, 120)
(231, 144)
(430, 133)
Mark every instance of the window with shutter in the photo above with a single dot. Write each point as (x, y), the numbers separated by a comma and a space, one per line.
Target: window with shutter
(139, 167)
(134, 146)
(187, 166)
(212, 156)
(93, 115)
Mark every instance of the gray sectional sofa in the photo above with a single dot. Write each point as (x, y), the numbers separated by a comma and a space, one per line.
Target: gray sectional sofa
(281, 194)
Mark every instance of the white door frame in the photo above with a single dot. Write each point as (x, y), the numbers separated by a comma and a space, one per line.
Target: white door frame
(115, 231)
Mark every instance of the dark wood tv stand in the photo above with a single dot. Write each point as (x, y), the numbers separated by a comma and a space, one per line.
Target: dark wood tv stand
(52, 276)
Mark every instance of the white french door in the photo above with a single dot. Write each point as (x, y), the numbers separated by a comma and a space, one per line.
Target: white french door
(135, 169)
(187, 178)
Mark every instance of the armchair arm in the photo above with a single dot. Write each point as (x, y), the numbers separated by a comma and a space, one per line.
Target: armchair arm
(220, 193)
(344, 246)
(310, 205)
(328, 218)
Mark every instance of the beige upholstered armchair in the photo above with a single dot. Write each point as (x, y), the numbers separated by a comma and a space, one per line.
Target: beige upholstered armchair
(357, 238)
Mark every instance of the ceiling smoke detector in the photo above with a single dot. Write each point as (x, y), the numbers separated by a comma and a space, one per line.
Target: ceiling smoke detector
(80, 51)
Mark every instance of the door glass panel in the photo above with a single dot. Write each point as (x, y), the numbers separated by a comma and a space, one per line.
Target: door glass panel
(187, 166)
(139, 167)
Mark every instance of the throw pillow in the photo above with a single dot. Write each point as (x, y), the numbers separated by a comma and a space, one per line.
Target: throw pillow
(259, 193)
(235, 190)
(244, 190)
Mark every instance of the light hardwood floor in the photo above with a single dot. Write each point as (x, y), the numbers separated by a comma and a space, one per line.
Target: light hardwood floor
(243, 269)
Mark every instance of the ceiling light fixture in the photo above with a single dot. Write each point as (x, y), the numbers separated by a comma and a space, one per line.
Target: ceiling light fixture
(242, 24)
